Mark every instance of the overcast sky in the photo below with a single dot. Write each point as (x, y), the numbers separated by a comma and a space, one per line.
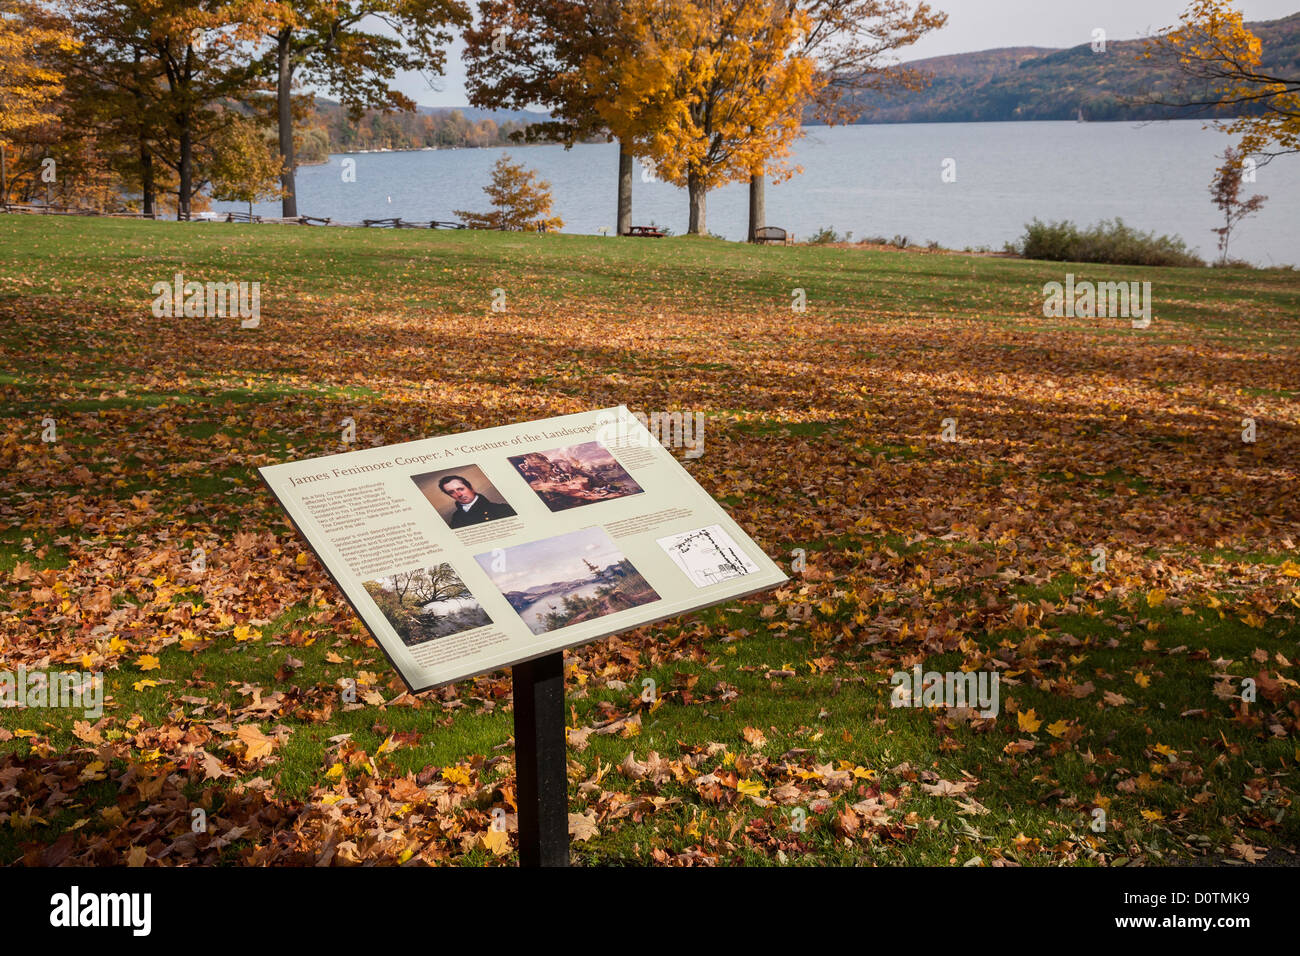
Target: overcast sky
(972, 25)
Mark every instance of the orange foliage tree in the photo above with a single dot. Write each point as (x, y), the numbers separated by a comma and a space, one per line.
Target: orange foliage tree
(706, 90)
(1220, 60)
(520, 201)
(29, 79)
(853, 43)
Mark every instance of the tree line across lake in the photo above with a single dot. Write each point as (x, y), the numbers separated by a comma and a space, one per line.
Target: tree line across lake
(332, 129)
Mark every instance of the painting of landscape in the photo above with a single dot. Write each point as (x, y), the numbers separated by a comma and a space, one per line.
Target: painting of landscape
(427, 603)
(576, 475)
(567, 579)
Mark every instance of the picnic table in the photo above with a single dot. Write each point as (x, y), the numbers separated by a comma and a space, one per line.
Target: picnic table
(651, 232)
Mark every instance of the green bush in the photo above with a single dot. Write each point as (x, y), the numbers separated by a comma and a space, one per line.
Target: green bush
(825, 235)
(1109, 242)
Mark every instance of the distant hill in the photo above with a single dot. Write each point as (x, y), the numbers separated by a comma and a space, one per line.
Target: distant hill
(1033, 83)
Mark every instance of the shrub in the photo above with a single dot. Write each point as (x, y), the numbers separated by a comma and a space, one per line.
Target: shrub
(1109, 242)
(519, 199)
(824, 236)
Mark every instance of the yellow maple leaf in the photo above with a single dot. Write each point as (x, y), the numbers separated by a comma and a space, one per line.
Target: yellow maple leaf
(496, 842)
(245, 633)
(147, 662)
(750, 788)
(1058, 728)
(1028, 721)
(455, 775)
(1142, 680)
(1166, 750)
(144, 684)
(1156, 597)
(257, 743)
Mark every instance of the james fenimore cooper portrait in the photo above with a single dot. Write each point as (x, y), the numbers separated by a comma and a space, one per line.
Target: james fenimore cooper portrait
(463, 496)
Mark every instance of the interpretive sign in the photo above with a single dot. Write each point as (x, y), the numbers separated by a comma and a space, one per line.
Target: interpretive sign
(466, 553)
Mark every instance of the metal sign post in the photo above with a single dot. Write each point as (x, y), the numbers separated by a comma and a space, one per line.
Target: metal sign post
(541, 762)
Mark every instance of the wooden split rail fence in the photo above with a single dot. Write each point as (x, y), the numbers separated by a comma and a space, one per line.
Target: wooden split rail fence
(390, 223)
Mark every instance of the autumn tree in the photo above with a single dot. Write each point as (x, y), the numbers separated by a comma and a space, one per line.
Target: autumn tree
(853, 43)
(1220, 62)
(244, 167)
(708, 90)
(30, 35)
(115, 94)
(336, 44)
(520, 201)
(28, 81)
(521, 54)
(202, 50)
(1225, 192)
(159, 73)
(86, 136)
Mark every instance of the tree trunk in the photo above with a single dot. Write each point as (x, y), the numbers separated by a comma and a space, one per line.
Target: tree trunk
(142, 135)
(146, 179)
(284, 106)
(186, 186)
(624, 191)
(697, 191)
(757, 206)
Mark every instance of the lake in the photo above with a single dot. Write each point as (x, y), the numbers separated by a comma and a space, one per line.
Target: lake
(535, 614)
(873, 181)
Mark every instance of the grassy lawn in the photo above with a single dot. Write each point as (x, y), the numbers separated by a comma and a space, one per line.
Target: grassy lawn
(242, 686)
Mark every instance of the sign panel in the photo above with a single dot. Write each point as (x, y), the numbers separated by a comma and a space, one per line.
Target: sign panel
(471, 552)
